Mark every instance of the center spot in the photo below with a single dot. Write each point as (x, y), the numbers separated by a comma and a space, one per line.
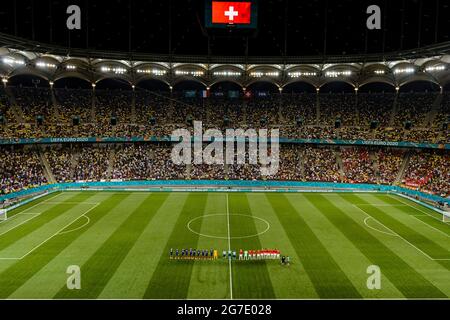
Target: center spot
(216, 226)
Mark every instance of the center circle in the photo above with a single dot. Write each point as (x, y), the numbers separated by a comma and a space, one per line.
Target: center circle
(216, 225)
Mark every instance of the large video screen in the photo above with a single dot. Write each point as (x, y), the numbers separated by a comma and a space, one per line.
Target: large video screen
(223, 14)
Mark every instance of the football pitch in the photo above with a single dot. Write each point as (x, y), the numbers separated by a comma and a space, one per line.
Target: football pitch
(121, 243)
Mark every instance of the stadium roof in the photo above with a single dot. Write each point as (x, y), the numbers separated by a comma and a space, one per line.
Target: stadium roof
(18, 57)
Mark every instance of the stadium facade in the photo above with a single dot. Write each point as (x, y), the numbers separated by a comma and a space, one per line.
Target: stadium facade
(20, 57)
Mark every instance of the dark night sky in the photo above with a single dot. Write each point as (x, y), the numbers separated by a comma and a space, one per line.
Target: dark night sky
(284, 26)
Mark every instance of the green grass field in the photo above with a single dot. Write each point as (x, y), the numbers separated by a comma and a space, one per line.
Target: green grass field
(121, 241)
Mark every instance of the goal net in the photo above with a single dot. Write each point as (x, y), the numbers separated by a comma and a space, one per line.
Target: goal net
(3, 214)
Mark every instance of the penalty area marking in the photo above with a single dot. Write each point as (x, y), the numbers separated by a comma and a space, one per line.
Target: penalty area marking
(78, 228)
(228, 237)
(397, 235)
(59, 232)
(373, 228)
(418, 209)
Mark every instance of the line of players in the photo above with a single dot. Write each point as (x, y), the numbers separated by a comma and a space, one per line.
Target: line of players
(193, 254)
(262, 254)
(212, 254)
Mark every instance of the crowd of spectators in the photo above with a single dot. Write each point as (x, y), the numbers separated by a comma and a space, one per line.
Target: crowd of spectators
(375, 107)
(440, 179)
(389, 164)
(60, 161)
(20, 169)
(113, 104)
(5, 110)
(74, 103)
(320, 164)
(35, 102)
(429, 171)
(413, 107)
(92, 163)
(132, 162)
(358, 165)
(338, 106)
(145, 113)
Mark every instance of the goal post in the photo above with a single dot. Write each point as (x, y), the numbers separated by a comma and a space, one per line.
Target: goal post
(3, 214)
(446, 216)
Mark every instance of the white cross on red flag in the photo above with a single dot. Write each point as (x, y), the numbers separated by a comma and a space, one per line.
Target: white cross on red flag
(231, 12)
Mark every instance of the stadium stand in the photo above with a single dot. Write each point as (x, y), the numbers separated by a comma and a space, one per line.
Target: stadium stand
(143, 113)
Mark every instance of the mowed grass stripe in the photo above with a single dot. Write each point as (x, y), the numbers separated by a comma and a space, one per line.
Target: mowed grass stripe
(251, 279)
(289, 282)
(432, 249)
(45, 217)
(406, 279)
(210, 279)
(48, 281)
(325, 274)
(171, 278)
(104, 262)
(349, 258)
(17, 274)
(134, 273)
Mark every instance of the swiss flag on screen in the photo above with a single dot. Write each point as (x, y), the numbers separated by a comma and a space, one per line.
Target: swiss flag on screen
(231, 12)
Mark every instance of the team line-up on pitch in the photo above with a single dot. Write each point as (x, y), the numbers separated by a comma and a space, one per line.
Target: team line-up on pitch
(213, 254)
